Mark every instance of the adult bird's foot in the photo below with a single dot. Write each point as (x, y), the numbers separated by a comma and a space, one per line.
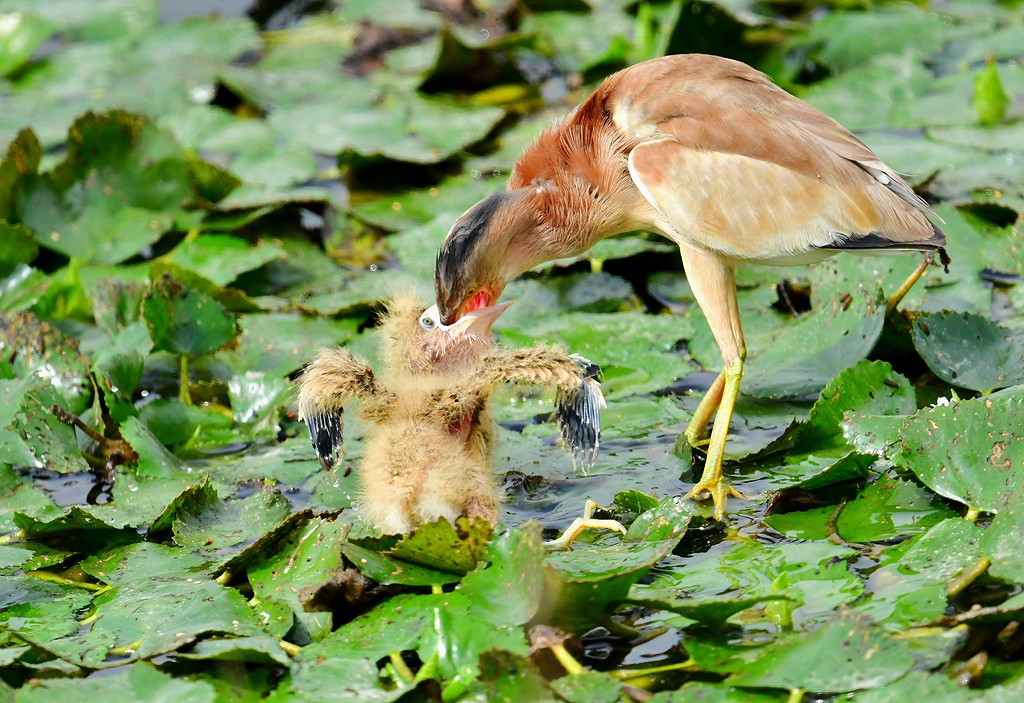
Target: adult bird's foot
(718, 489)
(587, 522)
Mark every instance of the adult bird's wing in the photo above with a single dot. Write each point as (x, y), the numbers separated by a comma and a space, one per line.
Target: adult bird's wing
(735, 165)
(332, 379)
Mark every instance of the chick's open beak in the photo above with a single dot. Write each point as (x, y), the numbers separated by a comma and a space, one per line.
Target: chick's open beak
(477, 323)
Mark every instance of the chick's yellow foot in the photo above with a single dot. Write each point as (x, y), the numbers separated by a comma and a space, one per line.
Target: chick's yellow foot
(587, 522)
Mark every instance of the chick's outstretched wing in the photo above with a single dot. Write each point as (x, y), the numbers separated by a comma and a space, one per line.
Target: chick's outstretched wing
(578, 397)
(331, 380)
(578, 409)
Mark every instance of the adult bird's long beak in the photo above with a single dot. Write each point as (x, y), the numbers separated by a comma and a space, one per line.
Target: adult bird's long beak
(478, 323)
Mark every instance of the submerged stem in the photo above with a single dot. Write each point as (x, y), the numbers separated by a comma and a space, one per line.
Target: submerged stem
(183, 394)
(626, 674)
(12, 537)
(567, 660)
(401, 668)
(965, 578)
(64, 581)
(290, 649)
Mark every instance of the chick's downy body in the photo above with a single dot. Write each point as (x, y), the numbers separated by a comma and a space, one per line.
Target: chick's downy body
(430, 434)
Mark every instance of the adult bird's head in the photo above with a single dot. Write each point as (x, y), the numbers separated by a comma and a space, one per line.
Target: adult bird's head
(492, 243)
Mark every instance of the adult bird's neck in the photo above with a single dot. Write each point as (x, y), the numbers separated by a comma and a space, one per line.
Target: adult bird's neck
(576, 180)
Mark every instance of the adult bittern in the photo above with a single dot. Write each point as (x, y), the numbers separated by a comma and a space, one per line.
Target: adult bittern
(430, 434)
(711, 154)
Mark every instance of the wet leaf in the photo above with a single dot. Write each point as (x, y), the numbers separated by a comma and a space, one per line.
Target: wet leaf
(280, 343)
(20, 34)
(942, 445)
(868, 659)
(910, 588)
(990, 98)
(116, 192)
(222, 258)
(17, 246)
(890, 508)
(31, 435)
(186, 321)
(223, 528)
(595, 578)
(441, 545)
(152, 608)
(305, 558)
(970, 351)
(35, 347)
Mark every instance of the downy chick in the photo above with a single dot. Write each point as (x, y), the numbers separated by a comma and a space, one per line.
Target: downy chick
(430, 433)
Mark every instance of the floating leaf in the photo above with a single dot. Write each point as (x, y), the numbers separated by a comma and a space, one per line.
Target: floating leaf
(115, 193)
(185, 321)
(970, 451)
(869, 659)
(30, 434)
(222, 258)
(970, 351)
(990, 98)
(303, 559)
(20, 34)
(152, 607)
(227, 525)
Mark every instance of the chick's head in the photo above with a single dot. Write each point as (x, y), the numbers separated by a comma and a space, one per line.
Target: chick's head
(414, 340)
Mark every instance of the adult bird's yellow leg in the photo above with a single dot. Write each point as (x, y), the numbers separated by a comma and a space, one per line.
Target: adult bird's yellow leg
(712, 481)
(587, 522)
(713, 282)
(897, 297)
(704, 412)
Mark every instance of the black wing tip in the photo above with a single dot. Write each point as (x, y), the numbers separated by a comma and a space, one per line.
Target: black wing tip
(579, 417)
(879, 242)
(325, 433)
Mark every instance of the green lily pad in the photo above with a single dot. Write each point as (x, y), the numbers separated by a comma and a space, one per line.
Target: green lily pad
(17, 246)
(413, 208)
(280, 343)
(442, 545)
(31, 435)
(1003, 538)
(634, 350)
(116, 192)
(222, 258)
(817, 572)
(185, 321)
(970, 351)
(595, 578)
(797, 356)
(105, 19)
(851, 39)
(250, 650)
(869, 659)
(969, 451)
(910, 587)
(152, 608)
(890, 508)
(256, 399)
(402, 127)
(20, 35)
(226, 526)
(118, 369)
(302, 559)
(37, 348)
